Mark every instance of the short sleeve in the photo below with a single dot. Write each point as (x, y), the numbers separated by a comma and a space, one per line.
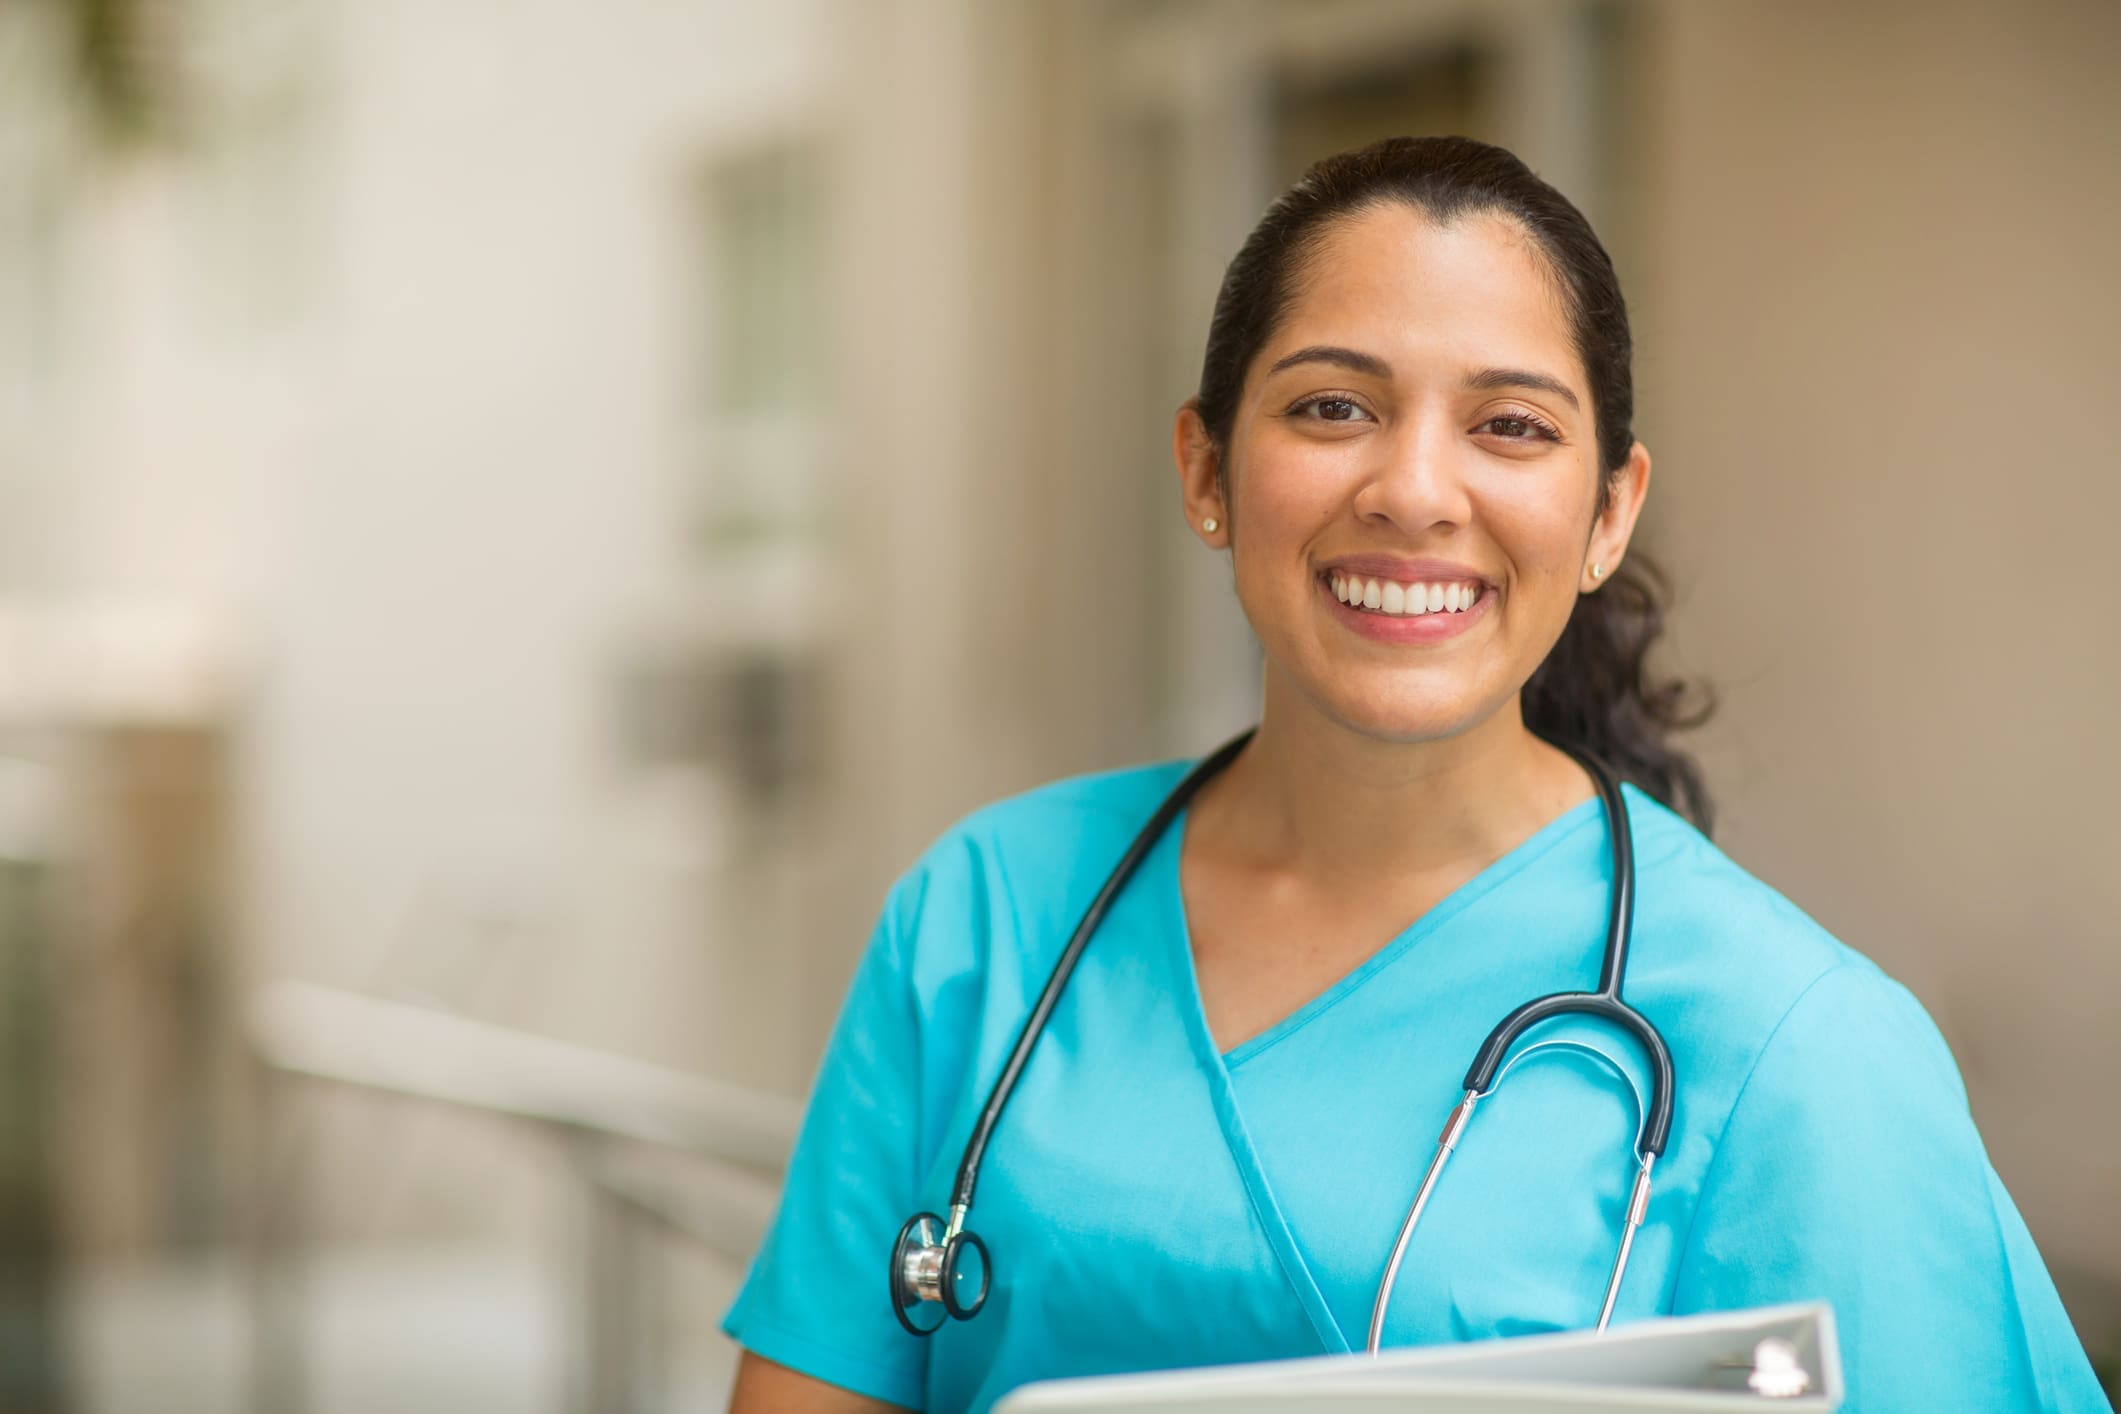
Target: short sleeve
(815, 1297)
(1849, 1170)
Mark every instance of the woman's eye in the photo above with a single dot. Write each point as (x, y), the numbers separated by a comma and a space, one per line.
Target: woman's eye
(1330, 409)
(1517, 428)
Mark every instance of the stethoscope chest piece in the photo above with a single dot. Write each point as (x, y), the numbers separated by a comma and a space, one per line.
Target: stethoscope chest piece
(939, 1271)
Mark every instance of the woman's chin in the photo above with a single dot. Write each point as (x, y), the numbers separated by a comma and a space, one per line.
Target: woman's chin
(1405, 723)
(1399, 704)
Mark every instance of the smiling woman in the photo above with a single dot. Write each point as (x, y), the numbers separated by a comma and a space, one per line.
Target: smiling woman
(1222, 1060)
(1466, 233)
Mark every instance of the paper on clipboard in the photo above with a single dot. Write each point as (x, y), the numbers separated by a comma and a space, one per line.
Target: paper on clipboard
(1676, 1363)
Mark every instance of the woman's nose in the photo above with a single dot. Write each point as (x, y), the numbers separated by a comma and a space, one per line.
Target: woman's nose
(1417, 479)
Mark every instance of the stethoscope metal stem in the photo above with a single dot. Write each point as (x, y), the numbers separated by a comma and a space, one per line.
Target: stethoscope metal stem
(1445, 1144)
(1638, 1206)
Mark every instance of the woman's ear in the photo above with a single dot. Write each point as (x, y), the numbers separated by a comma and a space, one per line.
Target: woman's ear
(1200, 476)
(1615, 525)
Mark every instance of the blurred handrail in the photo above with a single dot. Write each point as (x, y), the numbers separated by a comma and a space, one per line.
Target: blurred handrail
(606, 1105)
(730, 1217)
(327, 1033)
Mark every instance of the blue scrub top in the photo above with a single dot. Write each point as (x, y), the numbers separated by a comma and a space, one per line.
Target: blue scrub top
(1151, 1203)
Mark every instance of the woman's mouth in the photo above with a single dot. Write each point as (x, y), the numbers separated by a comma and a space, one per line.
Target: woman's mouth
(1407, 613)
(1389, 597)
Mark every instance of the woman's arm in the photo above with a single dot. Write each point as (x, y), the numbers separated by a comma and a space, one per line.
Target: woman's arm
(813, 1301)
(763, 1387)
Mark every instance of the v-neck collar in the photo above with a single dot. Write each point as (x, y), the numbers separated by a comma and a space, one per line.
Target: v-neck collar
(1163, 868)
(1522, 856)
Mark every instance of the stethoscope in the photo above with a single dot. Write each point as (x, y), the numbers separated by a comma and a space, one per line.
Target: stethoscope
(934, 1263)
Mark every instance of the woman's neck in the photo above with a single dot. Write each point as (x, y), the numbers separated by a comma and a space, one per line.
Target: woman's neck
(1317, 799)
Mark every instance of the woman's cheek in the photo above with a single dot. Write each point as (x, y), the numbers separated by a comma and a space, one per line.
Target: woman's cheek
(1286, 509)
(1279, 492)
(1544, 531)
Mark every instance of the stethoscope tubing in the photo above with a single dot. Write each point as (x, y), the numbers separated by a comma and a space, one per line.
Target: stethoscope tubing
(1605, 1004)
(924, 1268)
(1049, 997)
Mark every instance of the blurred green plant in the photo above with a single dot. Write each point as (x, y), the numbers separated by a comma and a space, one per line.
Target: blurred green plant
(31, 1342)
(125, 61)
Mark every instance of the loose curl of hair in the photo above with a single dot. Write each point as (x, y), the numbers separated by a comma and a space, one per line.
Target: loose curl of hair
(1595, 689)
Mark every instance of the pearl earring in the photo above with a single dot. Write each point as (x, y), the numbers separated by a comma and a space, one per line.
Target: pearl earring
(1211, 525)
(1597, 571)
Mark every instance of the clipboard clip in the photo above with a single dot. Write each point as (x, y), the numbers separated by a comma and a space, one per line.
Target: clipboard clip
(1774, 1372)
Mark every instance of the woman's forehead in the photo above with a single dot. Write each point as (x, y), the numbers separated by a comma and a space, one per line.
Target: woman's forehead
(1394, 281)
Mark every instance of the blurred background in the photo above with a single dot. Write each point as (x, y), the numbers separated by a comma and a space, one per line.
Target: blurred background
(517, 520)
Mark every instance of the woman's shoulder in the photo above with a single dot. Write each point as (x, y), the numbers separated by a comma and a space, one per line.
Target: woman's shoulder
(1117, 801)
(1072, 815)
(1691, 890)
(1753, 970)
(1023, 867)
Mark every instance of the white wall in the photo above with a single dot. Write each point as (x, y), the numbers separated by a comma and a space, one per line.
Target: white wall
(488, 508)
(378, 368)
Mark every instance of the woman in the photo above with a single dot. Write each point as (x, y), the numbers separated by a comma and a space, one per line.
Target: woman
(1412, 436)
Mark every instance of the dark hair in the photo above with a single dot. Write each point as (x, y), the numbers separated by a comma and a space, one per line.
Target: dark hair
(1595, 688)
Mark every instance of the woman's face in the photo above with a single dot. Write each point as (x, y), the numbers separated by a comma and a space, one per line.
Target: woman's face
(1412, 476)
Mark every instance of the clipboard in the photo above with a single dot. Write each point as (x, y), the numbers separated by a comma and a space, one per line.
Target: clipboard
(1700, 1362)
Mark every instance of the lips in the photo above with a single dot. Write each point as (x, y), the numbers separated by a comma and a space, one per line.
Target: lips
(1402, 569)
(1406, 602)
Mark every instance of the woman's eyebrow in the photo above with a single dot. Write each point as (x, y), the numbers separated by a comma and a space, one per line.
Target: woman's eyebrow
(1523, 378)
(1375, 367)
(1353, 359)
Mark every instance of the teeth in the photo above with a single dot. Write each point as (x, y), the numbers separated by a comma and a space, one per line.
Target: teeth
(1404, 600)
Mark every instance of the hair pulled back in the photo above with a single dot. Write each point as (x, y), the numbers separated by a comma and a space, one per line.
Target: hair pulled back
(1595, 689)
